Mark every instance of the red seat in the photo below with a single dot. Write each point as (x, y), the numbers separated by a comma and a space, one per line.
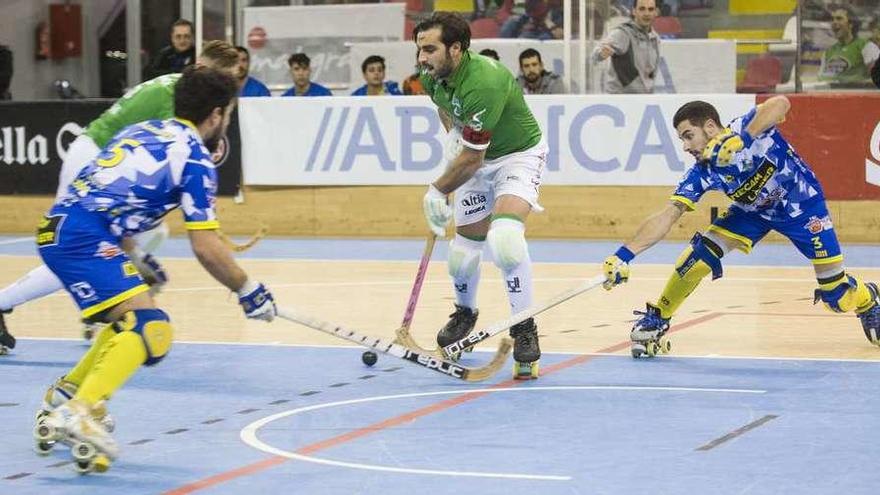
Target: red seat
(484, 28)
(415, 5)
(762, 75)
(504, 12)
(408, 26)
(667, 26)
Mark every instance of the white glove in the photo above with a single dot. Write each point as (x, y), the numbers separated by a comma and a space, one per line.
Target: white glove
(437, 211)
(256, 301)
(452, 147)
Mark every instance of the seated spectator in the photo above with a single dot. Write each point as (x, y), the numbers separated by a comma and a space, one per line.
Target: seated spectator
(179, 54)
(301, 73)
(534, 79)
(373, 69)
(488, 52)
(541, 21)
(412, 85)
(5, 72)
(250, 86)
(851, 58)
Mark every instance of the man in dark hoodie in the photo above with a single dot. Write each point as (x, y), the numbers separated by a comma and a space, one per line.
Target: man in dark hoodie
(179, 54)
(634, 49)
(534, 80)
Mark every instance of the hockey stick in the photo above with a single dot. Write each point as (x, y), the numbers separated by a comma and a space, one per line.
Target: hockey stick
(240, 248)
(442, 366)
(477, 337)
(404, 338)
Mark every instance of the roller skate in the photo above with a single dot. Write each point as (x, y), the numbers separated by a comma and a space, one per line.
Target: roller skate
(7, 341)
(460, 324)
(56, 395)
(75, 424)
(526, 351)
(870, 318)
(648, 335)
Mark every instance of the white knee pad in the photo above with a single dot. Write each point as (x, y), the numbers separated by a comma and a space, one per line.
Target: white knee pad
(507, 241)
(150, 240)
(464, 257)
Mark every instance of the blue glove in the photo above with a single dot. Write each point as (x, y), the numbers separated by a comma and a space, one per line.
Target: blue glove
(256, 301)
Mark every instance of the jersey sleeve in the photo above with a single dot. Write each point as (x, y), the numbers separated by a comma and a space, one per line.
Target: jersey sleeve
(481, 109)
(693, 185)
(199, 196)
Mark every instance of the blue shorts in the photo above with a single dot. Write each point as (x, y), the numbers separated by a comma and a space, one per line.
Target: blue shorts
(78, 247)
(812, 232)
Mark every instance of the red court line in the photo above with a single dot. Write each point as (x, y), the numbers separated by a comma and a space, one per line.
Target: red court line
(403, 418)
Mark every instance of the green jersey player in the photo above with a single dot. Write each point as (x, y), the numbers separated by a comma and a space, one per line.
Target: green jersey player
(153, 99)
(493, 173)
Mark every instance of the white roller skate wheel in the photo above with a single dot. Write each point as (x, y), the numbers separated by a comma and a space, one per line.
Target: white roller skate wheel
(44, 448)
(45, 432)
(651, 349)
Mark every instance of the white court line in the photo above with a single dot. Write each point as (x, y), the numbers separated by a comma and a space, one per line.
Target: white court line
(249, 433)
(17, 240)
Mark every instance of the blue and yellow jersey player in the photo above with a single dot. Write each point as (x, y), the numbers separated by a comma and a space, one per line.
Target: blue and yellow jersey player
(772, 188)
(144, 172)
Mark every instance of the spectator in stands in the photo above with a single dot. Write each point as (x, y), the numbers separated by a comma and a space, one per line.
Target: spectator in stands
(373, 69)
(542, 21)
(301, 72)
(488, 52)
(180, 53)
(5, 72)
(534, 79)
(250, 86)
(634, 50)
(850, 59)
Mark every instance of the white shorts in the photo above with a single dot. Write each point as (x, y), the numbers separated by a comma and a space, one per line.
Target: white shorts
(81, 151)
(518, 174)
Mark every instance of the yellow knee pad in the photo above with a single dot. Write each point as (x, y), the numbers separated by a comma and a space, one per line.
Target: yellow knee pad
(154, 328)
(844, 294)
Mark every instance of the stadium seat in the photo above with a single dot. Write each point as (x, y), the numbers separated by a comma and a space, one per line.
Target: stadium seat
(408, 26)
(667, 26)
(484, 28)
(762, 75)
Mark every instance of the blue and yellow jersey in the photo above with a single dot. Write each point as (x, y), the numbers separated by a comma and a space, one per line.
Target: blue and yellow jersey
(768, 178)
(144, 172)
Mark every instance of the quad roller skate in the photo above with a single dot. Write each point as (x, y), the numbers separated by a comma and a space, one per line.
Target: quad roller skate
(648, 335)
(526, 351)
(870, 318)
(56, 395)
(76, 424)
(460, 324)
(7, 341)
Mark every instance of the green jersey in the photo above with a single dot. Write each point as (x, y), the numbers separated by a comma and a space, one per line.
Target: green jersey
(484, 100)
(846, 63)
(150, 100)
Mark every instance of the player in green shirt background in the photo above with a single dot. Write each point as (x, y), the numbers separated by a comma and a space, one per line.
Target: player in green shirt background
(153, 99)
(493, 173)
(850, 59)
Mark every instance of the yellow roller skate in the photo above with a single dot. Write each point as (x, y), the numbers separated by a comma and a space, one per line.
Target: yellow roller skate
(76, 424)
(57, 394)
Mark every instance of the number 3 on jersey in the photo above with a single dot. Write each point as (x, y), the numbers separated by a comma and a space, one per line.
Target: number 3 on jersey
(113, 156)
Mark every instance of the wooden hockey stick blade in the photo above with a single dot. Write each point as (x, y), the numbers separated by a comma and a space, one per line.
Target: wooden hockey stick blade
(479, 336)
(405, 339)
(240, 248)
(441, 366)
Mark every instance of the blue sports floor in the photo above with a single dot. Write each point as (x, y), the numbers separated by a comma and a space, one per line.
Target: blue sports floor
(236, 418)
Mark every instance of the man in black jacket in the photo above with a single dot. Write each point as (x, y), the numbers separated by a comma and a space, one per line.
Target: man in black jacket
(179, 54)
(5, 72)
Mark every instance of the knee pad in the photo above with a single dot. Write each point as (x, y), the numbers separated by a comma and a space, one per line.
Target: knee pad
(154, 328)
(507, 241)
(150, 240)
(464, 257)
(701, 250)
(838, 296)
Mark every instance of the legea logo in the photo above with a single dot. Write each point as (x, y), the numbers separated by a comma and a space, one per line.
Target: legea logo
(872, 168)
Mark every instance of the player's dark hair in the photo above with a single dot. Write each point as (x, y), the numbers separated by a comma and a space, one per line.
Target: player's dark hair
(241, 49)
(697, 112)
(453, 27)
(372, 59)
(529, 53)
(184, 22)
(299, 59)
(488, 52)
(854, 22)
(200, 90)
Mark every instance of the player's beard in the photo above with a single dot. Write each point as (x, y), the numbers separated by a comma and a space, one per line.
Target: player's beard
(213, 141)
(443, 70)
